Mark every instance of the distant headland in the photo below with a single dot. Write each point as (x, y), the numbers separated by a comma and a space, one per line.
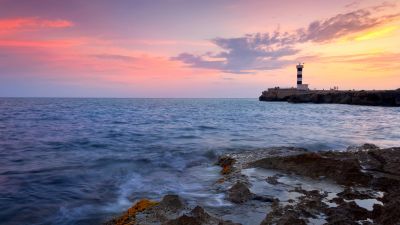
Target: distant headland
(302, 94)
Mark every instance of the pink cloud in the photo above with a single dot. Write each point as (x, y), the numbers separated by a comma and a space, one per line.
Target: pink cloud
(76, 59)
(29, 23)
(41, 43)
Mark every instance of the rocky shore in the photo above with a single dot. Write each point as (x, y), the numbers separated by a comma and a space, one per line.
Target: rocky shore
(370, 98)
(291, 186)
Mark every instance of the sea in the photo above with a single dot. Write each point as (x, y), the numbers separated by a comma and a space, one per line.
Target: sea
(84, 160)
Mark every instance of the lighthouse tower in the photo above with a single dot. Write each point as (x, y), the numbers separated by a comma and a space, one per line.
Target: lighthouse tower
(300, 85)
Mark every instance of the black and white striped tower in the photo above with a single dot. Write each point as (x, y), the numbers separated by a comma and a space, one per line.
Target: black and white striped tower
(300, 75)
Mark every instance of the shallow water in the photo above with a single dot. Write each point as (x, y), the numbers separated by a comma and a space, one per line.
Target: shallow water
(284, 190)
(80, 161)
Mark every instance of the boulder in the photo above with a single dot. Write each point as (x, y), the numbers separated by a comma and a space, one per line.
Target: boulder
(171, 202)
(226, 163)
(239, 193)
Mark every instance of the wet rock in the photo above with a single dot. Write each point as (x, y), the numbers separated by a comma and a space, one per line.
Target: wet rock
(341, 168)
(364, 147)
(170, 207)
(310, 205)
(389, 212)
(385, 183)
(200, 213)
(242, 159)
(171, 202)
(264, 198)
(289, 218)
(369, 146)
(378, 160)
(347, 213)
(198, 216)
(239, 193)
(228, 223)
(337, 200)
(286, 215)
(233, 163)
(273, 179)
(312, 193)
(351, 193)
(129, 217)
(184, 220)
(172, 210)
(376, 170)
(389, 159)
(225, 160)
(368, 166)
(226, 163)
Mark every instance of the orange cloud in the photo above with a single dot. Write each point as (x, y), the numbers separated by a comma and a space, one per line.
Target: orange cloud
(33, 23)
(369, 61)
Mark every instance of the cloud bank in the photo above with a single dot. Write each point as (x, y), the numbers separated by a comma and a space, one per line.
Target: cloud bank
(268, 51)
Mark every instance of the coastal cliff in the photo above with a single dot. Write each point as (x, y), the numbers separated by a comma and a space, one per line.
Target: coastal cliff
(370, 98)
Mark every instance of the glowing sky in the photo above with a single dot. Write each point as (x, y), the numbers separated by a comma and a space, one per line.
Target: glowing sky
(191, 48)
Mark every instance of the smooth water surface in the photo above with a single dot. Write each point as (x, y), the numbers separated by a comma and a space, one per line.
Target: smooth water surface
(81, 161)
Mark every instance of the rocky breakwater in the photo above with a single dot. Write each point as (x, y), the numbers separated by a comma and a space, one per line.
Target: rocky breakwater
(370, 98)
(291, 186)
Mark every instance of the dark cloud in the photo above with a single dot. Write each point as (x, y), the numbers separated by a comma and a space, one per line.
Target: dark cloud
(267, 51)
(199, 61)
(245, 54)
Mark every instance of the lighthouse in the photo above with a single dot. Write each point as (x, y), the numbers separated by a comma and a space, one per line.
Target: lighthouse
(300, 85)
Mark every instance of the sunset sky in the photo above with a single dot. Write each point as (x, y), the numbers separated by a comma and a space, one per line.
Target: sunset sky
(192, 48)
